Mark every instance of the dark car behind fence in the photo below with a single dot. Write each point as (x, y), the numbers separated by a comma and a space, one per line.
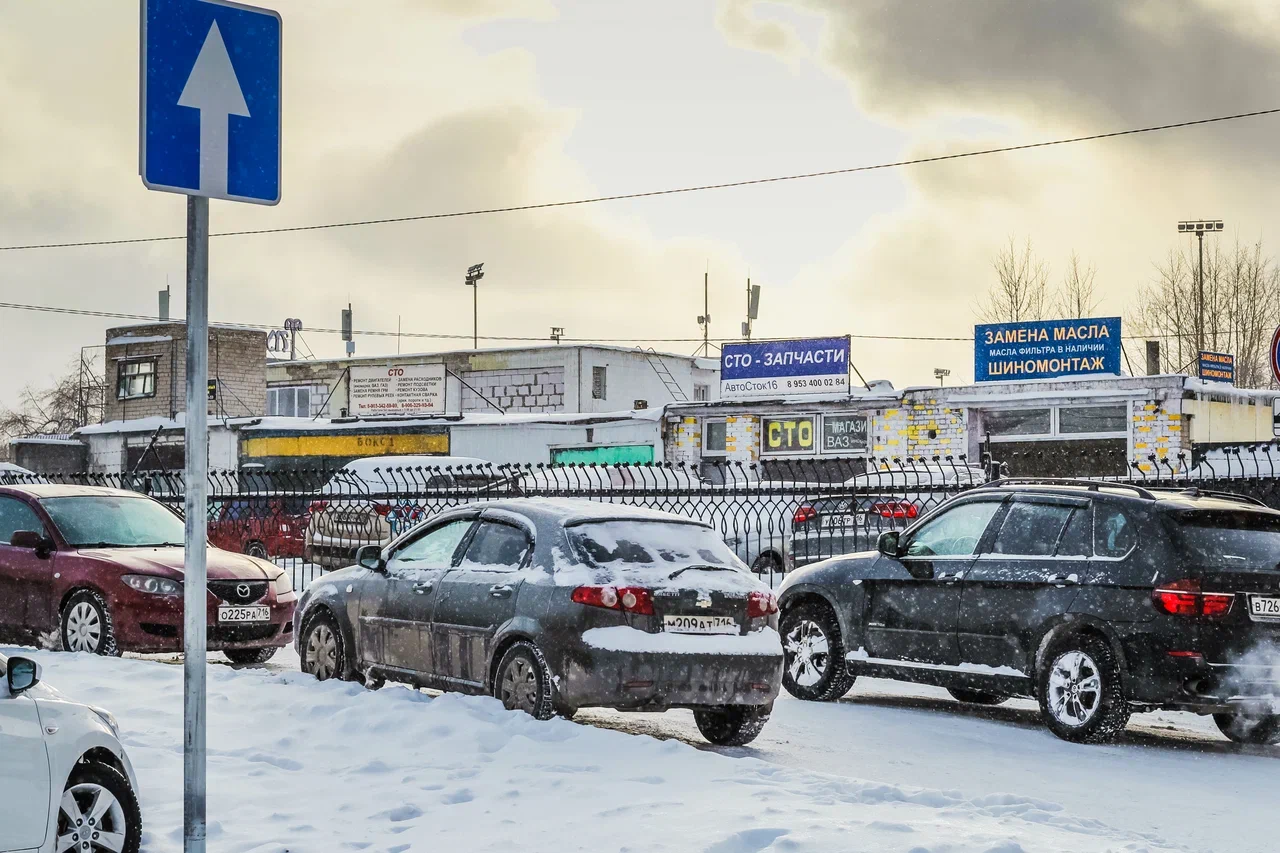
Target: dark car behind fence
(775, 517)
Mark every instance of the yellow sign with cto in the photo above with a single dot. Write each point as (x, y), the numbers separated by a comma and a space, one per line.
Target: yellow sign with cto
(789, 435)
(346, 445)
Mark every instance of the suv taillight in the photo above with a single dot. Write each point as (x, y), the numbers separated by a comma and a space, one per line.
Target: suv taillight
(896, 509)
(804, 513)
(761, 604)
(632, 599)
(1184, 598)
(318, 506)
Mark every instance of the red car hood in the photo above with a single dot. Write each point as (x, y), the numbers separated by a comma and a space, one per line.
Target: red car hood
(167, 562)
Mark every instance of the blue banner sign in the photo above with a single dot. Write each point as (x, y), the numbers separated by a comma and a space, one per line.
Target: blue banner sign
(1046, 349)
(1218, 367)
(772, 369)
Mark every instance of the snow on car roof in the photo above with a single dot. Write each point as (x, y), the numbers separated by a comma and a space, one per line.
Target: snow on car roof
(572, 511)
(51, 490)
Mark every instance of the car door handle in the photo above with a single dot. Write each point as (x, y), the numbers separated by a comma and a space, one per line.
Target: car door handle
(1063, 579)
(424, 588)
(500, 590)
(950, 578)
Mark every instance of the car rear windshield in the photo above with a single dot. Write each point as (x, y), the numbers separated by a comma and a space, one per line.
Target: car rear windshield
(635, 544)
(1230, 539)
(105, 521)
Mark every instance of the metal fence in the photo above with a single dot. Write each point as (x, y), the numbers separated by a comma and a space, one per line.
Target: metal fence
(775, 517)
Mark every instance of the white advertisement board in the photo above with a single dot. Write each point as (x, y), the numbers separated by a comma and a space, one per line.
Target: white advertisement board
(408, 389)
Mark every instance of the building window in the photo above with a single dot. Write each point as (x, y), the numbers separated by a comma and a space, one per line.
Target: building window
(1060, 422)
(599, 390)
(714, 438)
(1019, 422)
(1093, 419)
(293, 401)
(701, 393)
(136, 379)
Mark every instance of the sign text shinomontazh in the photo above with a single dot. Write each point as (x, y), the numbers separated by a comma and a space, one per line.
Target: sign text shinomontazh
(1046, 349)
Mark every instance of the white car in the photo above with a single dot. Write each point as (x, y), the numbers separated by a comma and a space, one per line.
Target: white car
(65, 782)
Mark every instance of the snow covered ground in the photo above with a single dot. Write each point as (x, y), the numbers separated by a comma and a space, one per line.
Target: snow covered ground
(301, 766)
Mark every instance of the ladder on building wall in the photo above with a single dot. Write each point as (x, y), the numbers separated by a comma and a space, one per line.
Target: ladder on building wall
(664, 373)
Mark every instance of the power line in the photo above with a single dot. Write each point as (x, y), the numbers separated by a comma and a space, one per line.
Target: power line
(673, 191)
(113, 315)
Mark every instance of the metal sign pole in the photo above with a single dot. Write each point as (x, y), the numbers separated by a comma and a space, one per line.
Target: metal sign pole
(195, 605)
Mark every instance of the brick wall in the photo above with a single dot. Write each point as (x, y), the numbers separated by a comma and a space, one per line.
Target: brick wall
(531, 389)
(237, 359)
(919, 426)
(1160, 433)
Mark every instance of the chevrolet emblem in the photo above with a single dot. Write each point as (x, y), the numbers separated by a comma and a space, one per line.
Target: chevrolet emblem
(703, 601)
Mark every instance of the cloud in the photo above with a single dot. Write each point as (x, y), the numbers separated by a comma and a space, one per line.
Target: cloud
(741, 27)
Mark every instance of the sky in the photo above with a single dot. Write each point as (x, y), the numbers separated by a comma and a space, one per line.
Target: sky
(403, 107)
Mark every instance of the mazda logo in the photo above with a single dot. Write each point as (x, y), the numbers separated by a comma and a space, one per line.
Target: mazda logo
(243, 590)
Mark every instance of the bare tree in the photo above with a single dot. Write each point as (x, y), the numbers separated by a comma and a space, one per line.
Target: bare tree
(1021, 288)
(74, 400)
(1076, 298)
(1242, 309)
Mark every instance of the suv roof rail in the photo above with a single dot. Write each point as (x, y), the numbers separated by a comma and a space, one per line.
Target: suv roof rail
(1091, 485)
(1196, 491)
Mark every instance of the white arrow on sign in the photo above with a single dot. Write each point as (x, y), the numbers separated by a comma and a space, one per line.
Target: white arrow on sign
(214, 90)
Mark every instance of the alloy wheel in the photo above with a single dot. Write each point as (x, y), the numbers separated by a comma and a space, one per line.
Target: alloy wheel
(84, 628)
(322, 652)
(808, 653)
(519, 690)
(1075, 688)
(90, 818)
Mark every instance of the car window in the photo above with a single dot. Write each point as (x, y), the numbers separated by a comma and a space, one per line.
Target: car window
(955, 533)
(1230, 539)
(1114, 533)
(435, 548)
(499, 547)
(1077, 539)
(1031, 529)
(14, 516)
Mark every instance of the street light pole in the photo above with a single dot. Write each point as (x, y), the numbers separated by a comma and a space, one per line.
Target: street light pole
(1198, 227)
(474, 274)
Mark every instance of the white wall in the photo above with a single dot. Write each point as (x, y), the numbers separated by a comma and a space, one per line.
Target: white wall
(532, 443)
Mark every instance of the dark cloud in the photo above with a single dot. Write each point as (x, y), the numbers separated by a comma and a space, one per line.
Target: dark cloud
(1132, 62)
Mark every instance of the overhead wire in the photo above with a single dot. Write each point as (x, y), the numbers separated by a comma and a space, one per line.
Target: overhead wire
(916, 161)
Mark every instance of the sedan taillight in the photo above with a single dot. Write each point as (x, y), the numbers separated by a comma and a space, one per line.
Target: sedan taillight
(1184, 598)
(761, 604)
(804, 513)
(896, 509)
(632, 599)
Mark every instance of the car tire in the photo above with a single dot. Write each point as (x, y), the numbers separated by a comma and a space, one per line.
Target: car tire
(766, 564)
(85, 625)
(1254, 730)
(251, 656)
(522, 681)
(731, 725)
(323, 647)
(976, 697)
(1095, 711)
(88, 786)
(813, 653)
(257, 549)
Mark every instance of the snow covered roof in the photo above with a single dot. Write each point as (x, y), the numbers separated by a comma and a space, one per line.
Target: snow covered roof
(126, 340)
(569, 511)
(704, 363)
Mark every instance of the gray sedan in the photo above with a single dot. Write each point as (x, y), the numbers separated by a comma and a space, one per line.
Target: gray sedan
(555, 605)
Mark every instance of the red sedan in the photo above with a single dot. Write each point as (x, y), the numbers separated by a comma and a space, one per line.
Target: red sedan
(100, 570)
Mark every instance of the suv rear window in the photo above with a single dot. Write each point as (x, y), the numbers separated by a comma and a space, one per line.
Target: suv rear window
(1230, 539)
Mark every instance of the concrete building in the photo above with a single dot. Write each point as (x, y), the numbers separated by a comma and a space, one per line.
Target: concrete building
(528, 380)
(1086, 426)
(146, 369)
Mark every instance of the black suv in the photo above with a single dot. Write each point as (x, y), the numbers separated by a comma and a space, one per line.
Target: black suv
(1097, 599)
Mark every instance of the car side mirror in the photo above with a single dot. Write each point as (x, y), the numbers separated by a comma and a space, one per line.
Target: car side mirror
(23, 675)
(889, 543)
(32, 541)
(370, 557)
